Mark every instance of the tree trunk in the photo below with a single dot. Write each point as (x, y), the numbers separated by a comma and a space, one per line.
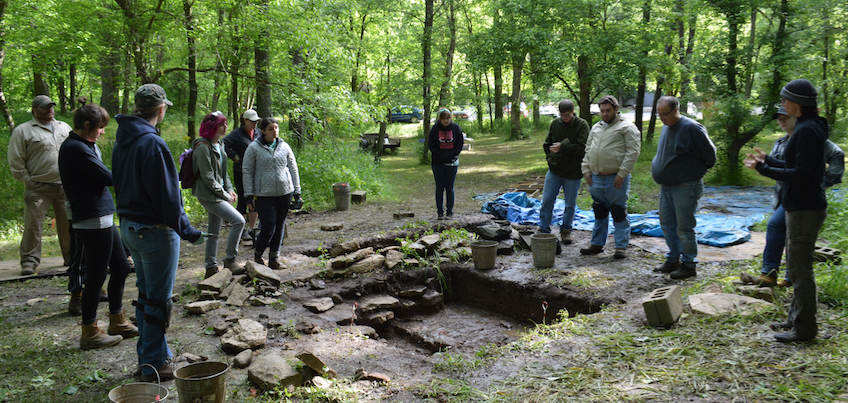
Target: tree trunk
(219, 67)
(826, 53)
(60, 84)
(498, 92)
(515, 110)
(652, 123)
(443, 92)
(585, 86)
(263, 71)
(39, 86)
(534, 74)
(191, 108)
(72, 75)
(296, 124)
(643, 75)
(749, 55)
(426, 45)
(7, 115)
(354, 77)
(108, 76)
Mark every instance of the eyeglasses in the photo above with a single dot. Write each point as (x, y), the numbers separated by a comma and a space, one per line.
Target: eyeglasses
(663, 115)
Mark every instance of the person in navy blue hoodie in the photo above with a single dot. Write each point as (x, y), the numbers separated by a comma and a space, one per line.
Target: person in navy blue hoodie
(86, 181)
(445, 143)
(153, 220)
(802, 172)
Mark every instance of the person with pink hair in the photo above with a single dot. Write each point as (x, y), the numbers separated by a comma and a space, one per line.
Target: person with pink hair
(214, 190)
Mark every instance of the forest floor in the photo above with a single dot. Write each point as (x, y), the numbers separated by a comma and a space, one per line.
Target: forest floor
(599, 349)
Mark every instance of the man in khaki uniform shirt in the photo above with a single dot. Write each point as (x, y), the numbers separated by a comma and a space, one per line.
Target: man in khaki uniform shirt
(33, 158)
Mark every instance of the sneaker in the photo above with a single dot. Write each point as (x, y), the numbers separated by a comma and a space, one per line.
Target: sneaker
(667, 267)
(440, 217)
(620, 253)
(565, 235)
(591, 250)
(784, 284)
(684, 272)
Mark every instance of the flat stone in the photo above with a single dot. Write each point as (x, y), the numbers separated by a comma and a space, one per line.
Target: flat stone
(307, 327)
(239, 279)
(378, 302)
(375, 377)
(721, 303)
(208, 295)
(262, 272)
(321, 382)
(363, 330)
(220, 320)
(343, 261)
(246, 334)
(332, 226)
(413, 292)
(388, 248)
(393, 258)
(367, 265)
(341, 314)
(763, 293)
(201, 307)
(33, 301)
(312, 361)
(317, 284)
(238, 295)
(430, 241)
(217, 282)
(410, 262)
(418, 249)
(269, 371)
(260, 300)
(380, 317)
(432, 298)
(343, 248)
(243, 359)
(319, 305)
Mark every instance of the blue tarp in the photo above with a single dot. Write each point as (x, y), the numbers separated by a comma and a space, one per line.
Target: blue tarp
(738, 209)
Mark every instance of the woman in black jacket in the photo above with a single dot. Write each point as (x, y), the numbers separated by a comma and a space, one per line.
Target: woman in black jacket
(445, 143)
(86, 181)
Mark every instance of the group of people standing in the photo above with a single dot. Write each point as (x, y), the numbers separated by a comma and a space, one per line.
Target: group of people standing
(58, 164)
(605, 156)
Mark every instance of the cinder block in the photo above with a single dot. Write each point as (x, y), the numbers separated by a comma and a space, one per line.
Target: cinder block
(826, 254)
(358, 196)
(663, 306)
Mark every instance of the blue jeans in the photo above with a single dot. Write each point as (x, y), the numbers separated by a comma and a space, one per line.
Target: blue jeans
(802, 228)
(605, 194)
(222, 211)
(678, 204)
(553, 184)
(272, 215)
(775, 243)
(445, 177)
(156, 251)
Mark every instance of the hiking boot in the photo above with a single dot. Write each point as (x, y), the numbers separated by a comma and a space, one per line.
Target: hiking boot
(104, 297)
(119, 325)
(781, 326)
(591, 250)
(667, 267)
(210, 271)
(791, 337)
(258, 259)
(27, 270)
(230, 264)
(274, 264)
(75, 304)
(166, 373)
(766, 281)
(565, 235)
(784, 284)
(683, 272)
(92, 337)
(620, 253)
(440, 217)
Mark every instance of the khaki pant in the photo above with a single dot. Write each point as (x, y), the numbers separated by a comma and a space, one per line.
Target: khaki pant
(38, 198)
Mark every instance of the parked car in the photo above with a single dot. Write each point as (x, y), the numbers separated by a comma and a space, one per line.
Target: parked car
(464, 114)
(549, 110)
(508, 108)
(406, 113)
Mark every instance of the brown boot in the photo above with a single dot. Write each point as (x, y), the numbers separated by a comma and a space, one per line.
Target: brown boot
(93, 337)
(274, 263)
(75, 304)
(119, 325)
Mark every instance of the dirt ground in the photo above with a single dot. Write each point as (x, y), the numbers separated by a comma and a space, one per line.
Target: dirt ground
(485, 307)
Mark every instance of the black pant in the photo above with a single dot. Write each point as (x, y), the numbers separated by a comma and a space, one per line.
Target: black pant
(272, 215)
(103, 249)
(76, 270)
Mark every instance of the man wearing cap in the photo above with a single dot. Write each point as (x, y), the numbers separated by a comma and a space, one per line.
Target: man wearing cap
(802, 172)
(150, 206)
(776, 229)
(612, 149)
(684, 154)
(235, 145)
(33, 158)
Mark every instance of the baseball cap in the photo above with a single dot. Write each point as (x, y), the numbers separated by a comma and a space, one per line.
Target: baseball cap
(149, 95)
(251, 115)
(781, 111)
(42, 101)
